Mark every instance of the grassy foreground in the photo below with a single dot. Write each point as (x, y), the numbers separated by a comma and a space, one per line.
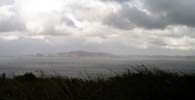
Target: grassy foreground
(135, 84)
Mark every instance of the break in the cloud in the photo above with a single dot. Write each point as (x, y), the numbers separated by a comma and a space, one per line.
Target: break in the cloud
(117, 26)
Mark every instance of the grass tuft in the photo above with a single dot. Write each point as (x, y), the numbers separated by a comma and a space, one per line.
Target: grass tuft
(137, 83)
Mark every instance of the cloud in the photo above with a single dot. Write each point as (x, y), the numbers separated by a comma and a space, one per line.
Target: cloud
(131, 17)
(9, 19)
(6, 2)
(183, 43)
(153, 14)
(119, 26)
(11, 23)
(176, 11)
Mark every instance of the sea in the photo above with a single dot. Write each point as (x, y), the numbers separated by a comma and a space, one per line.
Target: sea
(92, 66)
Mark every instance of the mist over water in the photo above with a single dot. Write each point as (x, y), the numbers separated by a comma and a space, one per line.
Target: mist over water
(71, 66)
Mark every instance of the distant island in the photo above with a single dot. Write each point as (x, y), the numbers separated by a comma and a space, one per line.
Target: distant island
(90, 54)
(77, 54)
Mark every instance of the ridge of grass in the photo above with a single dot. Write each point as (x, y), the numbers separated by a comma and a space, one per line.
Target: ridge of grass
(140, 83)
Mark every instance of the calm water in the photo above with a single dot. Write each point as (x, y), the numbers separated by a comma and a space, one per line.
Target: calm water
(77, 66)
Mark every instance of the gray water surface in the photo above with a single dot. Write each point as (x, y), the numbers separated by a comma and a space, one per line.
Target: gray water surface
(77, 66)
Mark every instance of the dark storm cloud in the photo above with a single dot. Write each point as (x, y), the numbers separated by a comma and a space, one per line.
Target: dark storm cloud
(163, 13)
(177, 11)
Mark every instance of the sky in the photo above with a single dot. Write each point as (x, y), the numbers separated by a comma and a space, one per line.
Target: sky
(133, 27)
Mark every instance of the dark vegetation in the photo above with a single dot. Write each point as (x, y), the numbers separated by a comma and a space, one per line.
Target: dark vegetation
(135, 84)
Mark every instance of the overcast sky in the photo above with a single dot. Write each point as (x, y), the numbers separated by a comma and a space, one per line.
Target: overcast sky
(148, 27)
